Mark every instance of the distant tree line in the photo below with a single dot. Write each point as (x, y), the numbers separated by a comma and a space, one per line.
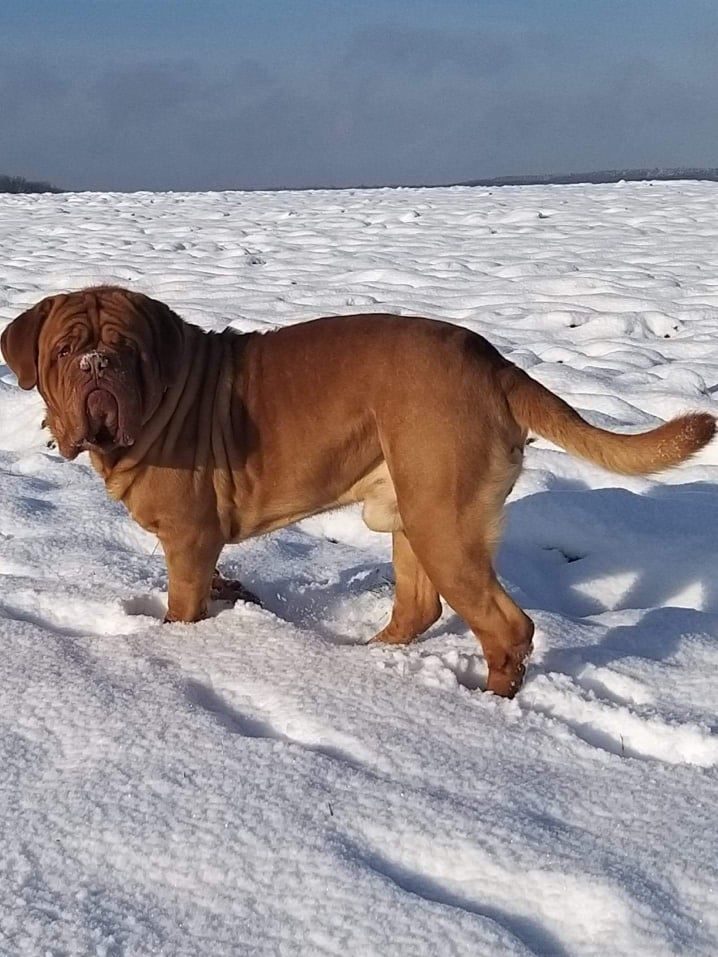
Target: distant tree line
(599, 176)
(544, 179)
(18, 184)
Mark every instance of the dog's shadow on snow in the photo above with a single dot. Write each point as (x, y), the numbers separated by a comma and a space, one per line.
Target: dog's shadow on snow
(656, 637)
(581, 551)
(322, 606)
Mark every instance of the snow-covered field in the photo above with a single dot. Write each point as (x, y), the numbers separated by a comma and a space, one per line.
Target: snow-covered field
(262, 783)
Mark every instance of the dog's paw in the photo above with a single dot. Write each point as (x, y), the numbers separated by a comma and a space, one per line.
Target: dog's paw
(231, 590)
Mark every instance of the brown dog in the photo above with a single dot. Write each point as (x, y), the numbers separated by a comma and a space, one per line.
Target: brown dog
(211, 438)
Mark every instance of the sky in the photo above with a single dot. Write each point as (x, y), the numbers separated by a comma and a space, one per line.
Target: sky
(222, 94)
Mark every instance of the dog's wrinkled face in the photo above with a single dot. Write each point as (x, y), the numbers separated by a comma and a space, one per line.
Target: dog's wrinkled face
(101, 359)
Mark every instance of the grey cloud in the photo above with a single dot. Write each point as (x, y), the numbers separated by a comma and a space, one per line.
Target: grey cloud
(139, 91)
(250, 75)
(422, 51)
(395, 105)
(30, 85)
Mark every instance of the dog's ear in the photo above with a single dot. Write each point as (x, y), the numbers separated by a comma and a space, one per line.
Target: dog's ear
(19, 342)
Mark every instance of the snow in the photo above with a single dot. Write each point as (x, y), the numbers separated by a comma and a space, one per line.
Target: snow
(263, 783)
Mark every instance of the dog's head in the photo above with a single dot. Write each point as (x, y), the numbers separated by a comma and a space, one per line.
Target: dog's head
(101, 359)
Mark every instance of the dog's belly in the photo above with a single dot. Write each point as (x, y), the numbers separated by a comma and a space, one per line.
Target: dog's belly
(375, 489)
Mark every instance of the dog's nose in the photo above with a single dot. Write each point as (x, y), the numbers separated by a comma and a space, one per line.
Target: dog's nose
(94, 362)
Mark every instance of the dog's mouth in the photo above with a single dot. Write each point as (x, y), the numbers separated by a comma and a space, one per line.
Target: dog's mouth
(104, 431)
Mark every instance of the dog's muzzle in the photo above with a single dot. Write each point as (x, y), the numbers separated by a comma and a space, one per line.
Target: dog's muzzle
(94, 362)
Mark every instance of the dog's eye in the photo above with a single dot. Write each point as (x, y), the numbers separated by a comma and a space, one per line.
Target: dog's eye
(63, 351)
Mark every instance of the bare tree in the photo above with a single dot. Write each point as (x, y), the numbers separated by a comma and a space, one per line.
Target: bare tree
(18, 184)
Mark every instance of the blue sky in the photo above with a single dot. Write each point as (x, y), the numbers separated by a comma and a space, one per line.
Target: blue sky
(173, 94)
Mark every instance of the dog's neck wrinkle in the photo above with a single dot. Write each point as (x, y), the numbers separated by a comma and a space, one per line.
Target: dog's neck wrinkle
(120, 470)
(184, 429)
(177, 424)
(223, 435)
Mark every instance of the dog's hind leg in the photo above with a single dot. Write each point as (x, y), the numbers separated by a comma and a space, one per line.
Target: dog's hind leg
(451, 514)
(464, 576)
(504, 631)
(416, 601)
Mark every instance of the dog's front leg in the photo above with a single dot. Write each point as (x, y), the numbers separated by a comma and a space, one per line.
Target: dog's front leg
(191, 561)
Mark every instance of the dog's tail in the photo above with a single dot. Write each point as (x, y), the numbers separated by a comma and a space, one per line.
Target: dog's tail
(537, 409)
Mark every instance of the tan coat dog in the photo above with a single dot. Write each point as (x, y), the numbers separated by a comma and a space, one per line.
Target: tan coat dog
(212, 438)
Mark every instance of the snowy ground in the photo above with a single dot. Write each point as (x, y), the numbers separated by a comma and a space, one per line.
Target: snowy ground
(262, 783)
